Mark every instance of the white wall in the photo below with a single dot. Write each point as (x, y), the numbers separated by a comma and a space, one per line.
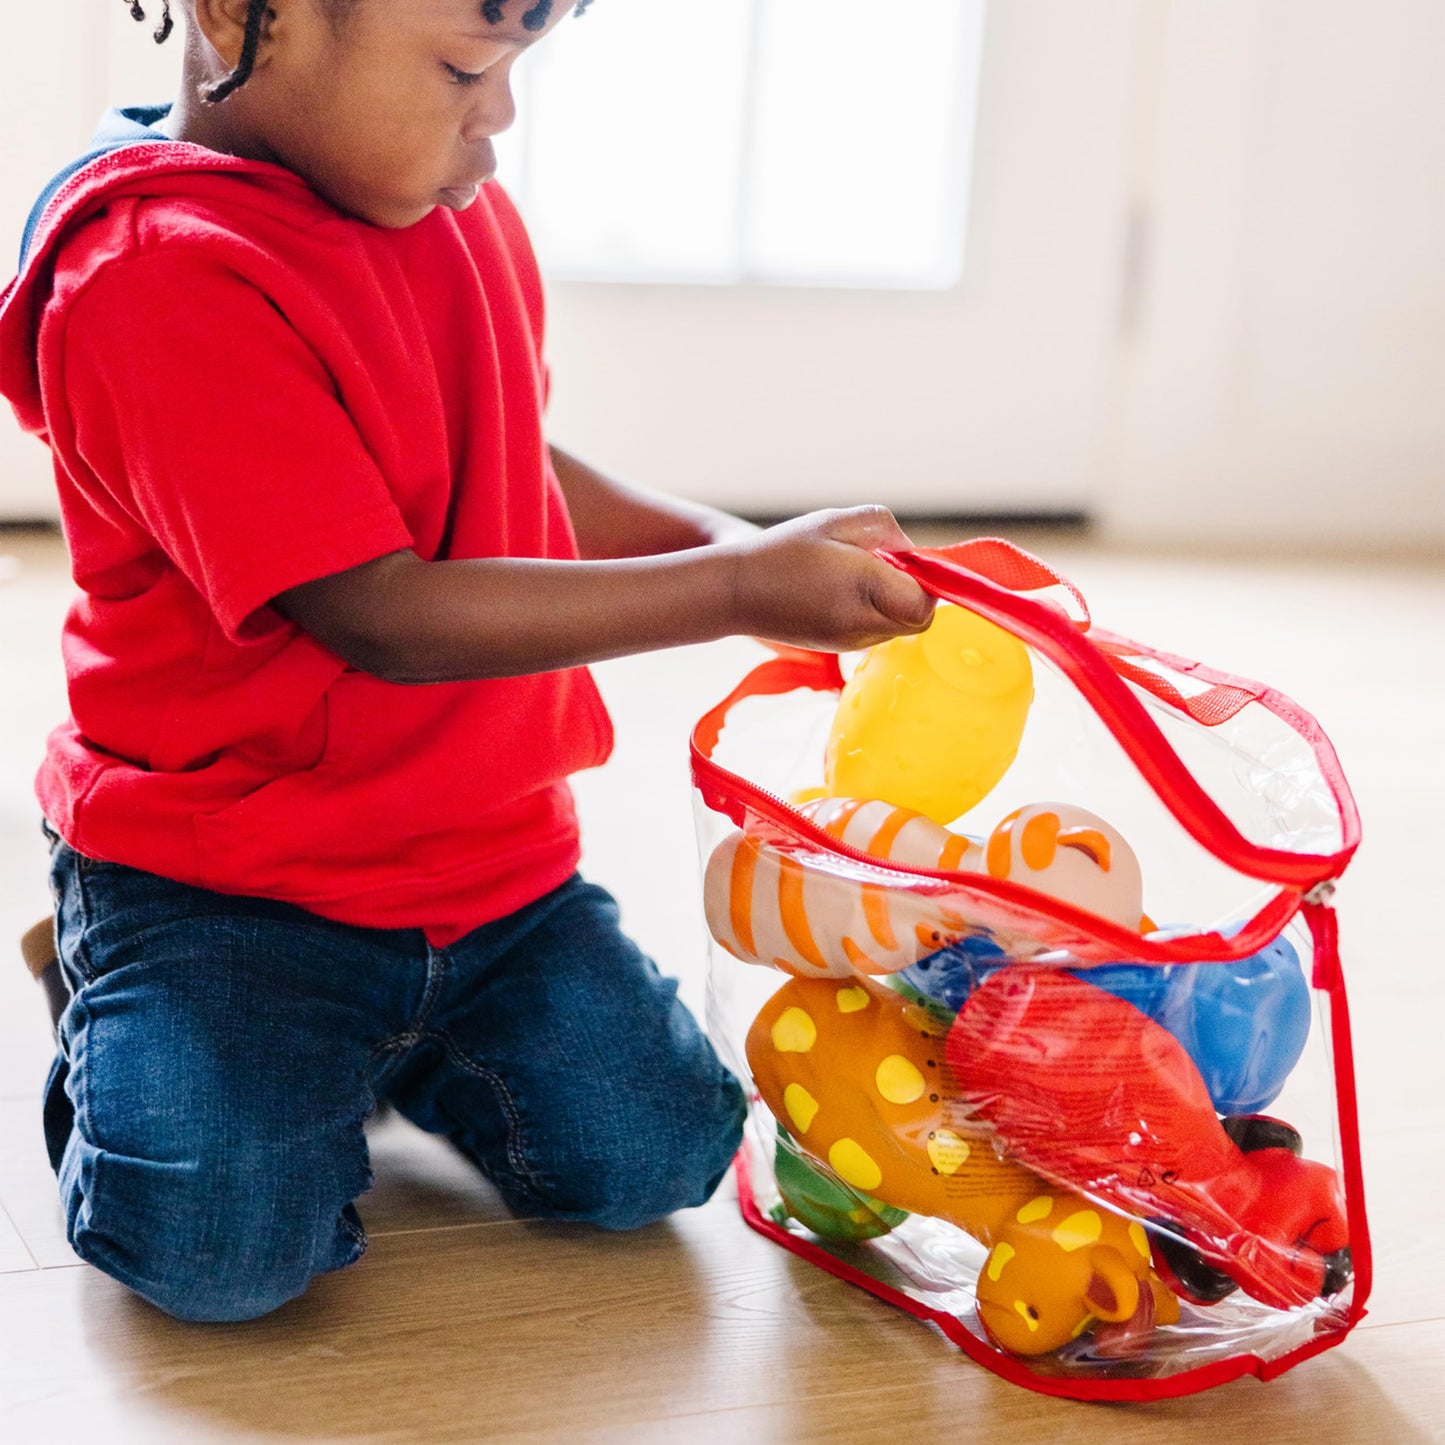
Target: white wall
(51, 74)
(63, 62)
(1283, 386)
(984, 397)
(1273, 378)
(1277, 380)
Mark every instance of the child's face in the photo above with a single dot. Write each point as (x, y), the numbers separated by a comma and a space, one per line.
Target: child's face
(387, 107)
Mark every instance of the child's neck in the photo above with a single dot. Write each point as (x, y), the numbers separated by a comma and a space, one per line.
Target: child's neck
(222, 128)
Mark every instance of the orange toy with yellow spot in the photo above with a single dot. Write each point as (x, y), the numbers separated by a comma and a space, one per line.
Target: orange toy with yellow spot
(859, 1077)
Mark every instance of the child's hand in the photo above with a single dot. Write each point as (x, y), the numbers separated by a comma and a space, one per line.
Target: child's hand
(814, 582)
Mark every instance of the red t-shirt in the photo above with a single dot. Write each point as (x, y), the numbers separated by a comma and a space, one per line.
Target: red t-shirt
(245, 389)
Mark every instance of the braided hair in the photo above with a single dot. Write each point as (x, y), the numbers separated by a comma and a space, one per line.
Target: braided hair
(533, 19)
(163, 30)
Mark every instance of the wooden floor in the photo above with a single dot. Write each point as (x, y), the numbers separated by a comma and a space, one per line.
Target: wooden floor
(461, 1324)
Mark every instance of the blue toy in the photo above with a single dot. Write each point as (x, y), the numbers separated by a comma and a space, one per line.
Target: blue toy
(1244, 1024)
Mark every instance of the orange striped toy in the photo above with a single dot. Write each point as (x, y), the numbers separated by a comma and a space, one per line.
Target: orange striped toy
(765, 906)
(1073, 855)
(897, 835)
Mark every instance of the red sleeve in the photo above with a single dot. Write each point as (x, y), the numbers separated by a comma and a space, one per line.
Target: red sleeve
(207, 417)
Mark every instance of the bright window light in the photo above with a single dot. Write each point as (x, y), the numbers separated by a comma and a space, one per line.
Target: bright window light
(788, 142)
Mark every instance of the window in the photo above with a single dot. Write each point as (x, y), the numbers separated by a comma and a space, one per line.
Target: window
(792, 142)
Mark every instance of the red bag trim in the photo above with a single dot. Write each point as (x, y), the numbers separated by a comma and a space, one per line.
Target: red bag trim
(1214, 706)
(1116, 646)
(788, 672)
(1005, 1366)
(1138, 734)
(1008, 565)
(1095, 938)
(1329, 978)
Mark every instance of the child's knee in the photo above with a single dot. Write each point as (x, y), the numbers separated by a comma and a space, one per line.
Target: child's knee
(203, 1245)
(218, 1288)
(669, 1160)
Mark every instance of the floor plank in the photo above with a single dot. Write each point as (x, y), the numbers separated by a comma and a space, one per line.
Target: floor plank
(694, 1329)
(28, 1197)
(13, 1253)
(1384, 1388)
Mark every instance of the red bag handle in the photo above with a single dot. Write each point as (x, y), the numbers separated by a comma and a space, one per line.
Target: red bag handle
(1098, 666)
(1003, 563)
(1095, 665)
(1008, 565)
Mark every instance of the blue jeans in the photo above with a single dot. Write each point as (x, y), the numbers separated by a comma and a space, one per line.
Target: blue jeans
(220, 1055)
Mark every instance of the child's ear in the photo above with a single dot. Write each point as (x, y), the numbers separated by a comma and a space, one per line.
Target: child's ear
(223, 23)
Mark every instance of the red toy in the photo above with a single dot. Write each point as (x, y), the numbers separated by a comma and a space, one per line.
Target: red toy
(1088, 1091)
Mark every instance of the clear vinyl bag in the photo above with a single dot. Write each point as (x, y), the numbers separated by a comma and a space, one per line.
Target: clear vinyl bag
(1022, 940)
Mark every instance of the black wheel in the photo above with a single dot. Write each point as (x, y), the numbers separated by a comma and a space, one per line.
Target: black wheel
(1184, 1269)
(1339, 1268)
(1258, 1131)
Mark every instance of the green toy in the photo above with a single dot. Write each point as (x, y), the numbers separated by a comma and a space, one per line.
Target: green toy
(823, 1203)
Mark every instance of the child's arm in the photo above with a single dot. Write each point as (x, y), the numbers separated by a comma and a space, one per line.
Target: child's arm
(812, 582)
(612, 519)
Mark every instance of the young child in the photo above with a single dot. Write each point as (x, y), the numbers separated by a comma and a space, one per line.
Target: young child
(313, 844)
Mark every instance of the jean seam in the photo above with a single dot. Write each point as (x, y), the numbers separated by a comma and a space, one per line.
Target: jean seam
(83, 964)
(516, 1156)
(76, 1085)
(416, 1030)
(436, 968)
